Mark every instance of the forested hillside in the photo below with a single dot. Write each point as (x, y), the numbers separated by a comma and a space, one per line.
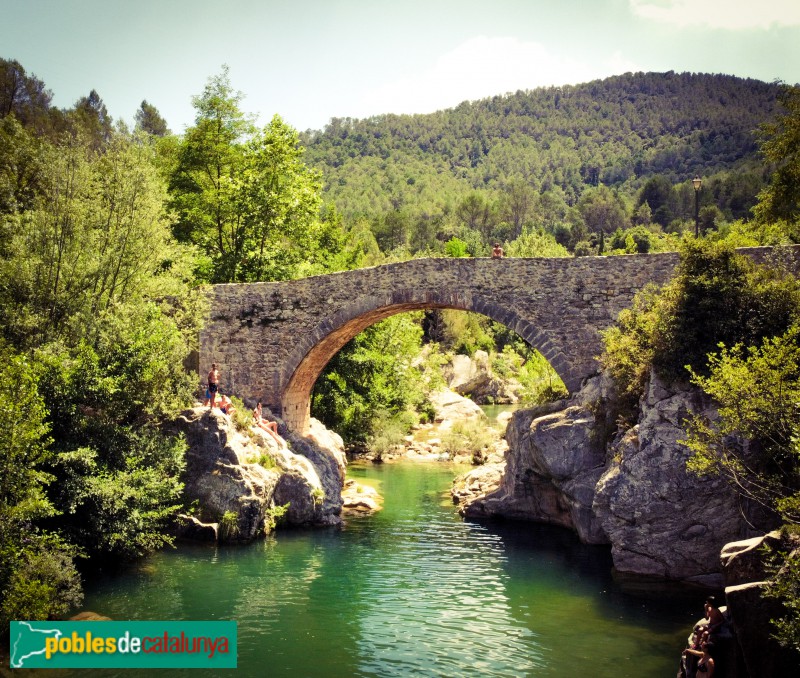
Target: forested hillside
(547, 158)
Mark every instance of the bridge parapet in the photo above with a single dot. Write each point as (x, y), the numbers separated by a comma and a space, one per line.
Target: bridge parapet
(272, 340)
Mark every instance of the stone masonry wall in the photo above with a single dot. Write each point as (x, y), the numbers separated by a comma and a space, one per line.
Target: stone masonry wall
(272, 340)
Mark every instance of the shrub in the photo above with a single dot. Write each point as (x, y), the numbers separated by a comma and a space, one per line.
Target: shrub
(467, 437)
(229, 526)
(44, 583)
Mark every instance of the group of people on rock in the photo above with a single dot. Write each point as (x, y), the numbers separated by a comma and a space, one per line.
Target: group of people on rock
(227, 407)
(697, 660)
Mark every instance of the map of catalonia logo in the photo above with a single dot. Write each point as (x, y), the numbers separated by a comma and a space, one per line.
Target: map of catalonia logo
(123, 645)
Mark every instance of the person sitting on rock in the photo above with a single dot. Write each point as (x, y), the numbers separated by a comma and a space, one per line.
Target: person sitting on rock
(714, 616)
(226, 405)
(270, 427)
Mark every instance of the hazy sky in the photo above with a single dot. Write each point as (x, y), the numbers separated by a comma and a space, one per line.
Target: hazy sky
(310, 60)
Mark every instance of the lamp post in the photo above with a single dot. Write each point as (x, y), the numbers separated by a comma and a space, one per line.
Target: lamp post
(697, 182)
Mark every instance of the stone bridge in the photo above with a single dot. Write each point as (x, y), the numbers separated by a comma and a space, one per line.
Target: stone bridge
(272, 340)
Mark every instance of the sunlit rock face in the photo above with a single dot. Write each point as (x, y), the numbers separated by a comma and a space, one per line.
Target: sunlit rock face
(660, 518)
(632, 491)
(246, 474)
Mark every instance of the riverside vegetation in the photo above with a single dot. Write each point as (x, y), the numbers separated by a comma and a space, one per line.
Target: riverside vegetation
(107, 236)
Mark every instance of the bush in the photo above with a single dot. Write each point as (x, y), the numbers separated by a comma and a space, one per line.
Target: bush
(717, 296)
(467, 437)
(44, 583)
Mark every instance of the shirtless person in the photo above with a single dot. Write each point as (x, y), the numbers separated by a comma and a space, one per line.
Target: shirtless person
(213, 384)
(497, 251)
(714, 616)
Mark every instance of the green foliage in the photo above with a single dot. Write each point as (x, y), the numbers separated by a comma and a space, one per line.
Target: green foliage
(785, 587)
(536, 244)
(372, 374)
(758, 394)
(229, 526)
(117, 502)
(456, 248)
(467, 437)
(780, 201)
(23, 442)
(389, 431)
(96, 236)
(242, 417)
(716, 297)
(569, 160)
(540, 382)
(266, 460)
(244, 196)
(40, 581)
(628, 347)
(459, 331)
(273, 516)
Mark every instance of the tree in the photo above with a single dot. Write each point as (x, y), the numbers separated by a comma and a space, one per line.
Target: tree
(518, 202)
(91, 116)
(21, 95)
(757, 390)
(371, 380)
(38, 579)
(475, 212)
(781, 145)
(244, 195)
(717, 296)
(657, 195)
(536, 244)
(21, 166)
(208, 177)
(98, 235)
(149, 120)
(602, 210)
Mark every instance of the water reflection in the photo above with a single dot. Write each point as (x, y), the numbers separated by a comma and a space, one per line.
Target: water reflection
(412, 590)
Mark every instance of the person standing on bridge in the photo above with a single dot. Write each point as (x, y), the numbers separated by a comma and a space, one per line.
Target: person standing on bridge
(497, 251)
(213, 384)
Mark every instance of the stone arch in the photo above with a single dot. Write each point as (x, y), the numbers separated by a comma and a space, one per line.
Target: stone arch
(313, 351)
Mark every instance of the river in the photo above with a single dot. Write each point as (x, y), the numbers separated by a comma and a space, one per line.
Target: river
(411, 591)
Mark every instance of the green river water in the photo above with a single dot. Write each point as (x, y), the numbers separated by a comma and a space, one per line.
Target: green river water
(413, 590)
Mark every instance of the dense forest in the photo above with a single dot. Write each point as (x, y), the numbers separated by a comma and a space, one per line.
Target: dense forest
(572, 161)
(109, 234)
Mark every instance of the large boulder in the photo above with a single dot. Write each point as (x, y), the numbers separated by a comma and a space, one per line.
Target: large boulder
(633, 491)
(474, 377)
(450, 406)
(552, 465)
(661, 519)
(246, 474)
(219, 474)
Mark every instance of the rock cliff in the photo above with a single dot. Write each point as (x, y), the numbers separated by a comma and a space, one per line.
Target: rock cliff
(239, 478)
(632, 491)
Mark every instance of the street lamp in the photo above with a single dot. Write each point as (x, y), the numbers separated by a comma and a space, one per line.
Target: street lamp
(697, 182)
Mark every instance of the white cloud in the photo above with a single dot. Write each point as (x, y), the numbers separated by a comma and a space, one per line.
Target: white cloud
(482, 67)
(726, 14)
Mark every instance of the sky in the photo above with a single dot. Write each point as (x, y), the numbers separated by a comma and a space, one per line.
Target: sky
(311, 60)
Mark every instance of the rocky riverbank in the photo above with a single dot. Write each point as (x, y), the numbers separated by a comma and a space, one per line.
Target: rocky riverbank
(242, 481)
(631, 491)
